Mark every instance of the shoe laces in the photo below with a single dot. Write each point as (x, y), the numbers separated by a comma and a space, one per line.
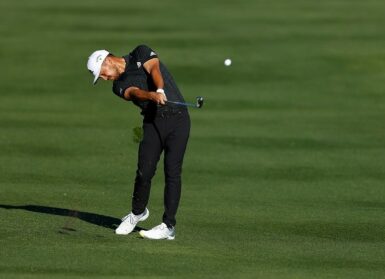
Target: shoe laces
(161, 227)
(131, 218)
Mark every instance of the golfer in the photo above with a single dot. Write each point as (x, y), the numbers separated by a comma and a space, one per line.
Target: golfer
(140, 77)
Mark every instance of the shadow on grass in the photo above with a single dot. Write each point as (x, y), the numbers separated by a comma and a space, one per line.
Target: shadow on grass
(92, 218)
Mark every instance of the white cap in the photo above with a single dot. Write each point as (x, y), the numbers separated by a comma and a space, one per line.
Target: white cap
(95, 62)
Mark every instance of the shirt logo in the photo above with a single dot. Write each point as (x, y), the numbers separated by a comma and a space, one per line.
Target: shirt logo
(139, 64)
(152, 53)
(120, 91)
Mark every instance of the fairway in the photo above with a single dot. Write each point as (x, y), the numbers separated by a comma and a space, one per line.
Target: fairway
(285, 169)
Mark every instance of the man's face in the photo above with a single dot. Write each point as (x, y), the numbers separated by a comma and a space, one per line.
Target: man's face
(109, 71)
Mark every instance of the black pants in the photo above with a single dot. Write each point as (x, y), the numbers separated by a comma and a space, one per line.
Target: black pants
(168, 132)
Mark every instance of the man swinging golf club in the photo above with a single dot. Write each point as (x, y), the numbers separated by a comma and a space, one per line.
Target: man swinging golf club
(140, 77)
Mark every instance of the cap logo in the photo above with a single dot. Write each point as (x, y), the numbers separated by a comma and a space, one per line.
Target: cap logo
(99, 58)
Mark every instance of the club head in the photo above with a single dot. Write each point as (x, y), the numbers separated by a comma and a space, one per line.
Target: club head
(199, 102)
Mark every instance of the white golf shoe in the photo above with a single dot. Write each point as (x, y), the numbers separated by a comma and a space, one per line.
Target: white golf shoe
(129, 222)
(159, 232)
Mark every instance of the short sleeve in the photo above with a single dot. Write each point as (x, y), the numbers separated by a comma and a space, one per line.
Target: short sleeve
(143, 53)
(119, 90)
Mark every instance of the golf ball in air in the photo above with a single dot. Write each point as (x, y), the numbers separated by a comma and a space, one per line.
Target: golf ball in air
(227, 62)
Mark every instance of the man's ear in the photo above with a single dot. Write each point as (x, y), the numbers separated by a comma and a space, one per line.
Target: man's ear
(107, 61)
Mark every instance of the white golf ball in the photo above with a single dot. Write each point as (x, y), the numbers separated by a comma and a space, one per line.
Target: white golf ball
(227, 62)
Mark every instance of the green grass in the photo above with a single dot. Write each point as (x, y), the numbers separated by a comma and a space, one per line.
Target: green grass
(284, 173)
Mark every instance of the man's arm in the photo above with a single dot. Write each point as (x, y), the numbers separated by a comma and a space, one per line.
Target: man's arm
(153, 68)
(143, 95)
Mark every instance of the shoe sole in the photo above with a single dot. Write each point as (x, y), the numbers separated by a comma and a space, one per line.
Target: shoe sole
(142, 234)
(140, 220)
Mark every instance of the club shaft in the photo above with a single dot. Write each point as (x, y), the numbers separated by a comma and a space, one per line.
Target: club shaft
(182, 104)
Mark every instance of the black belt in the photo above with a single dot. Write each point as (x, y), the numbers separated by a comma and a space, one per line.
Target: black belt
(169, 111)
(163, 112)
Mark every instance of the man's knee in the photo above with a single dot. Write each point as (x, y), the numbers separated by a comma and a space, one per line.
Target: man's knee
(173, 174)
(145, 174)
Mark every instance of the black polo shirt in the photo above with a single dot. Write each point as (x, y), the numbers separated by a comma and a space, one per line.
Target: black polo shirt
(136, 75)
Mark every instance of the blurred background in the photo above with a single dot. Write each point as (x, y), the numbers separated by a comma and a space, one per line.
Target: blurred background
(284, 173)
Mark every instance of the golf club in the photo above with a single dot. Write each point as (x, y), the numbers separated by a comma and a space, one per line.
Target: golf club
(198, 104)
